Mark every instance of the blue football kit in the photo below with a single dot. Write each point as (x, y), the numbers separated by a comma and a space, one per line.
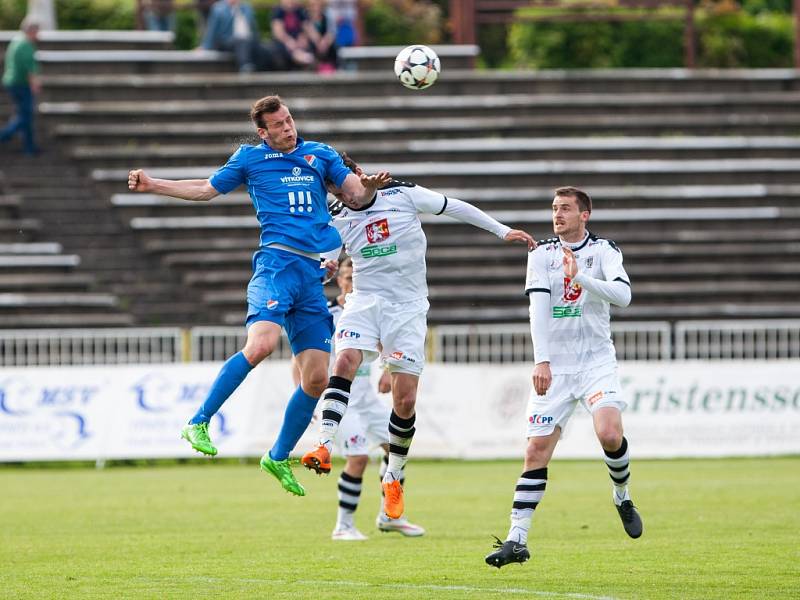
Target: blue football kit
(289, 195)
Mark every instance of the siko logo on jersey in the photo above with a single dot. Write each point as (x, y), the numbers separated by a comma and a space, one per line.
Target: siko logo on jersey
(310, 159)
(377, 231)
(572, 291)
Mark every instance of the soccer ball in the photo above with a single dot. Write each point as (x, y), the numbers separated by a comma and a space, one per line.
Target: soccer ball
(417, 67)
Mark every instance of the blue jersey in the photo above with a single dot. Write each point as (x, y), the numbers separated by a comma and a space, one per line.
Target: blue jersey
(288, 191)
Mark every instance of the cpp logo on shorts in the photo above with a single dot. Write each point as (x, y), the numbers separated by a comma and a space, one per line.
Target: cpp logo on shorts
(347, 334)
(540, 419)
(272, 304)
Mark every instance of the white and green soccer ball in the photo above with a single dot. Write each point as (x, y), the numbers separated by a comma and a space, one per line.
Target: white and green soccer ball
(417, 67)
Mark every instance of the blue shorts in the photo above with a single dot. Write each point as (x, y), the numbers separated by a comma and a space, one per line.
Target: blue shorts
(286, 288)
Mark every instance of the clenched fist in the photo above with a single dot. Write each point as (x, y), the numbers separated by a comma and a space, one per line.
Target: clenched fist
(139, 181)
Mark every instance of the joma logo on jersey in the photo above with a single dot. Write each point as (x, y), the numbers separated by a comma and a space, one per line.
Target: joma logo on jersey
(561, 312)
(273, 155)
(378, 251)
(377, 231)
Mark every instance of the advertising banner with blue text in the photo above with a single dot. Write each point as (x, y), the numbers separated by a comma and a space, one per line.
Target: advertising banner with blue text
(675, 409)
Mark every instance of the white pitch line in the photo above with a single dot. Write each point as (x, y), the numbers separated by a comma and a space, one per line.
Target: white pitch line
(410, 586)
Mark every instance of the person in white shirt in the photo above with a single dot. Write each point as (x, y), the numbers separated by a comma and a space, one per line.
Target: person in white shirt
(365, 425)
(572, 280)
(387, 311)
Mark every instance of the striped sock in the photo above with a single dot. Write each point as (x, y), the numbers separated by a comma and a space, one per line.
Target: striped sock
(349, 494)
(618, 463)
(334, 405)
(401, 432)
(527, 495)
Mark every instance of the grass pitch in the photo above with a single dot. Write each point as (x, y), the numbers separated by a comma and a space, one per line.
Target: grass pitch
(713, 529)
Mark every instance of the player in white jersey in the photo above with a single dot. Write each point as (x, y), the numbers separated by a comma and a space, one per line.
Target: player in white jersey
(572, 280)
(387, 310)
(365, 426)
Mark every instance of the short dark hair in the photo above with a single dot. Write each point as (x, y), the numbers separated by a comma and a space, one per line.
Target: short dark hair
(348, 162)
(266, 105)
(583, 199)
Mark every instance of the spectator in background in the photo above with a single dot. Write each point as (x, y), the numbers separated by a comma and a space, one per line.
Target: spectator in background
(344, 14)
(203, 13)
(159, 15)
(289, 33)
(231, 27)
(321, 31)
(22, 82)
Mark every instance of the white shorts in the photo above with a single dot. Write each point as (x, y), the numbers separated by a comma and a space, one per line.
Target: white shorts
(593, 389)
(365, 425)
(369, 322)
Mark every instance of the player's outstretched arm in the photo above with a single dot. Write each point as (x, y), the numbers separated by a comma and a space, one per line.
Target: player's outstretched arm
(466, 213)
(186, 189)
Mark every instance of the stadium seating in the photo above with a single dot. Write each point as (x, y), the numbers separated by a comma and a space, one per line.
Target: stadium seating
(696, 175)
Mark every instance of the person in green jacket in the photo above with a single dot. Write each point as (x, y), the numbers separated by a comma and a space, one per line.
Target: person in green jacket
(22, 82)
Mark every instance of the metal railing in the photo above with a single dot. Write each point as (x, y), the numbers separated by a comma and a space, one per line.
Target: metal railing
(512, 342)
(720, 340)
(218, 343)
(54, 347)
(499, 343)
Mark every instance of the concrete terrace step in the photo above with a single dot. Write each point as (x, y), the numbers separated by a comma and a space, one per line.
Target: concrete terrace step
(31, 248)
(644, 147)
(341, 132)
(453, 83)
(382, 57)
(81, 62)
(464, 105)
(97, 39)
(45, 281)
(586, 173)
(60, 300)
(44, 261)
(49, 319)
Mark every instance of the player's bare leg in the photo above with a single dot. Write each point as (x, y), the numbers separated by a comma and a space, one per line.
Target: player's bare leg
(527, 495)
(334, 405)
(401, 432)
(608, 427)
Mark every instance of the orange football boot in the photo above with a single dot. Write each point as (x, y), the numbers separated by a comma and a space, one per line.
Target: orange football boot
(393, 499)
(318, 460)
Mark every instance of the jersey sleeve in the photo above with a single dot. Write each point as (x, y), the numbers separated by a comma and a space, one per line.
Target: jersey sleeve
(612, 264)
(335, 170)
(537, 279)
(615, 287)
(427, 201)
(232, 174)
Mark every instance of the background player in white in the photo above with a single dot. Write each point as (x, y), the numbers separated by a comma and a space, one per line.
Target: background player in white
(572, 280)
(365, 426)
(388, 309)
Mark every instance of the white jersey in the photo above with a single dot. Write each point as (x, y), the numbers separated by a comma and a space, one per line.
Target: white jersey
(361, 387)
(386, 241)
(577, 324)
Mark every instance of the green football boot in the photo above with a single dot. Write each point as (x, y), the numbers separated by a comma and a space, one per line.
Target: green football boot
(197, 436)
(283, 473)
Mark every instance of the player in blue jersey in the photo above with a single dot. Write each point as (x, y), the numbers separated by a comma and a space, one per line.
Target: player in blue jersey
(285, 178)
